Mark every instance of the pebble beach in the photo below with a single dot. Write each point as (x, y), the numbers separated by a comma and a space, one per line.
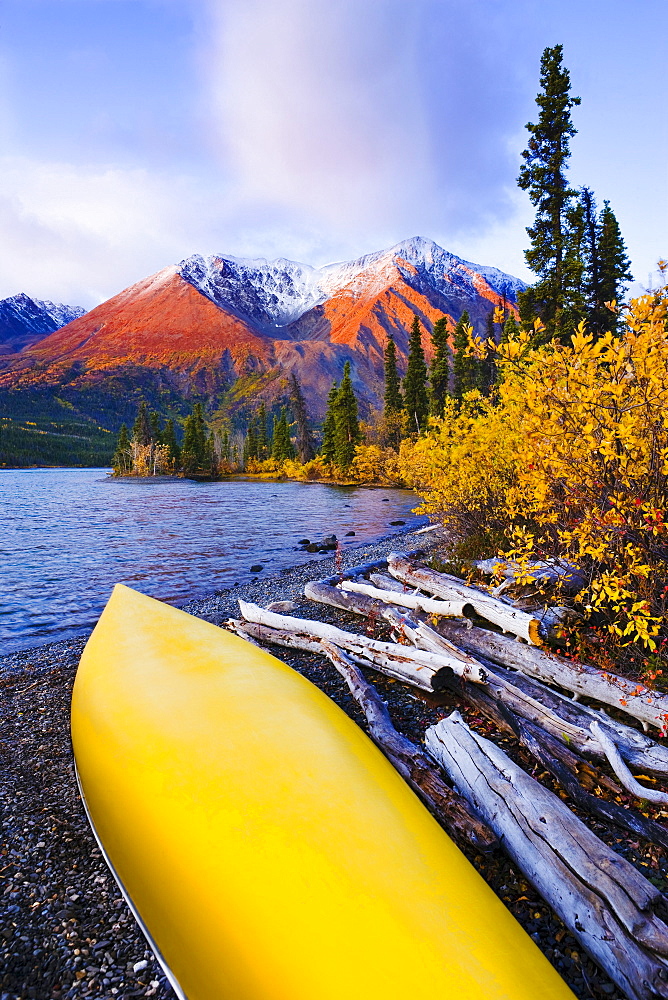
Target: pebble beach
(66, 930)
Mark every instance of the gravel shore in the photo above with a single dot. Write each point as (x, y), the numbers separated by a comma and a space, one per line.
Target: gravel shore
(66, 930)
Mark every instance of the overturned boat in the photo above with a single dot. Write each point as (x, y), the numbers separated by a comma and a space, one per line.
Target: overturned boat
(266, 846)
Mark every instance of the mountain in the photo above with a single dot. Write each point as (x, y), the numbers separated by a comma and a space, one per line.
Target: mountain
(23, 321)
(228, 331)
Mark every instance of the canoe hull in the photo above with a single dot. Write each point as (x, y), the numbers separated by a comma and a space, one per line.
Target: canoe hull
(266, 844)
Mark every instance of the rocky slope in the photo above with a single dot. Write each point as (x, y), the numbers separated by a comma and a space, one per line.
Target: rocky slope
(228, 331)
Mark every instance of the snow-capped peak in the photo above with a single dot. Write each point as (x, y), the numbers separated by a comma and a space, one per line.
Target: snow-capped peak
(276, 293)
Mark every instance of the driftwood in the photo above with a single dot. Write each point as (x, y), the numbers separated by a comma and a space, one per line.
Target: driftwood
(640, 702)
(553, 712)
(570, 769)
(415, 666)
(621, 770)
(606, 904)
(417, 602)
(449, 588)
(567, 574)
(412, 762)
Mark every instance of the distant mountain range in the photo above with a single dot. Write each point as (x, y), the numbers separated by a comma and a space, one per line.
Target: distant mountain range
(24, 321)
(228, 332)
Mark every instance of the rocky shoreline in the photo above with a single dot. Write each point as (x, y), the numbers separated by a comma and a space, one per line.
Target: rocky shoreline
(66, 930)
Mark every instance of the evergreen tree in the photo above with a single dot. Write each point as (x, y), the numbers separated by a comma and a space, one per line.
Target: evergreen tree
(154, 422)
(194, 451)
(606, 264)
(141, 429)
(262, 441)
(305, 446)
(465, 369)
(122, 460)
(556, 295)
(346, 424)
(614, 264)
(225, 446)
(394, 401)
(328, 446)
(416, 400)
(282, 446)
(250, 442)
(168, 438)
(440, 366)
(510, 329)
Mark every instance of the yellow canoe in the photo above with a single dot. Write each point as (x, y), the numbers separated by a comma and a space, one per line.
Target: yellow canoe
(267, 847)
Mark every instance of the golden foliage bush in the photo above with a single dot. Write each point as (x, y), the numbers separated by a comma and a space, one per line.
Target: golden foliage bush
(374, 464)
(571, 461)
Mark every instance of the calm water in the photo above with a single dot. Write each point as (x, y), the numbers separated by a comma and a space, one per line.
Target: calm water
(68, 535)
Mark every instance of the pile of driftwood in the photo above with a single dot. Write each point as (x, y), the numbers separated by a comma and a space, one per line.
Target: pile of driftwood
(474, 789)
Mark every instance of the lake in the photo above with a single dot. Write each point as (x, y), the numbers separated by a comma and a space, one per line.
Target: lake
(68, 535)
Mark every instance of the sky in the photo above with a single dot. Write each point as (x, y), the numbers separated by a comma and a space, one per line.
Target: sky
(138, 132)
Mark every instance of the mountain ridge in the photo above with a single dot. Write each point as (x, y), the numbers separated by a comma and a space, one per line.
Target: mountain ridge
(228, 332)
(24, 320)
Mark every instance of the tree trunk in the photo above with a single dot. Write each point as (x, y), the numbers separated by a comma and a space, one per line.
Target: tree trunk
(605, 903)
(449, 588)
(636, 700)
(415, 665)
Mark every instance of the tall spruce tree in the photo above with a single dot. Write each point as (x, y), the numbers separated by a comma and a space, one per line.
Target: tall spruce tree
(394, 401)
(440, 366)
(328, 446)
(486, 367)
(556, 297)
(168, 438)
(607, 273)
(194, 451)
(416, 400)
(141, 429)
(282, 445)
(346, 424)
(614, 265)
(250, 442)
(304, 443)
(465, 368)
(262, 438)
(122, 460)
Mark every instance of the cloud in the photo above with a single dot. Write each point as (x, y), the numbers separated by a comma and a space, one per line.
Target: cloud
(79, 233)
(352, 113)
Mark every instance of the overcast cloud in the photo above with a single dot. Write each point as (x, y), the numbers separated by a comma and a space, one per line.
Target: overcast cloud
(137, 132)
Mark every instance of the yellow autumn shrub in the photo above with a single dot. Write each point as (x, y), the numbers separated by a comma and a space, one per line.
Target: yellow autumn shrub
(374, 464)
(464, 465)
(571, 462)
(592, 486)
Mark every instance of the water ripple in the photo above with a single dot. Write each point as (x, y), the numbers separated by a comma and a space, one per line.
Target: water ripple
(68, 535)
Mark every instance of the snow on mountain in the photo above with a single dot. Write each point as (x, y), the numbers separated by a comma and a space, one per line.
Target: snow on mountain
(24, 321)
(276, 293)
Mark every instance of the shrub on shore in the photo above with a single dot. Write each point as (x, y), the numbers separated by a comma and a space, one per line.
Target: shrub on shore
(570, 462)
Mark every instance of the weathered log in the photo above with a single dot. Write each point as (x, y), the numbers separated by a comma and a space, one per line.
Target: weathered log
(621, 770)
(449, 588)
(384, 582)
(405, 625)
(636, 700)
(566, 574)
(559, 715)
(605, 903)
(569, 768)
(413, 763)
(401, 670)
(417, 602)
(415, 665)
